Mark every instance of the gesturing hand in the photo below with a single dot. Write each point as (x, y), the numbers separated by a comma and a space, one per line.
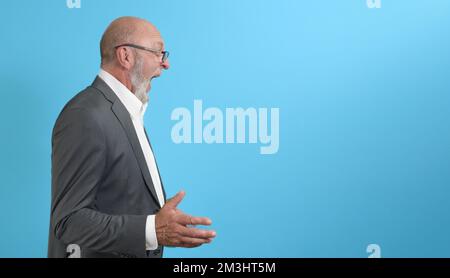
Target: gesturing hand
(175, 228)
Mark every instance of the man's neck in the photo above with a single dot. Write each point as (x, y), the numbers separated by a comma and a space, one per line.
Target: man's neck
(120, 75)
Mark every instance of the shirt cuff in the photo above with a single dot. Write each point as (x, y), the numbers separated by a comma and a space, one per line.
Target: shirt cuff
(151, 242)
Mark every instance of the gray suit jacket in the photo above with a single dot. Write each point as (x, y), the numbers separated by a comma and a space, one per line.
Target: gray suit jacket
(102, 190)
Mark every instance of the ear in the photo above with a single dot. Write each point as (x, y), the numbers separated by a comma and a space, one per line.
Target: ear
(125, 57)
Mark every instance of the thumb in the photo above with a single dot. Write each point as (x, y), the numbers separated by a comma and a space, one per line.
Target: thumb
(175, 200)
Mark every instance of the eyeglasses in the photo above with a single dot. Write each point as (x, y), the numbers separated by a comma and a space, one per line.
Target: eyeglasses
(164, 54)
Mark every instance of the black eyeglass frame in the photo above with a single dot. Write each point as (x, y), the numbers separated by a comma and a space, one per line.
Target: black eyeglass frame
(165, 54)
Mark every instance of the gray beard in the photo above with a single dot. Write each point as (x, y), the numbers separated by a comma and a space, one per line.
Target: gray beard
(138, 82)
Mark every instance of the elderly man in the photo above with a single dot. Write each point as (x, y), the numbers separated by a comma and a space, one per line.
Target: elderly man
(107, 196)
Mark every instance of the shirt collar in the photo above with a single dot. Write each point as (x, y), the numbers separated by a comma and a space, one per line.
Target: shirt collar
(133, 105)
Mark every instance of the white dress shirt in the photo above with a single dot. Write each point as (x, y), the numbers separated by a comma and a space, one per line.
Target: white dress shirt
(137, 109)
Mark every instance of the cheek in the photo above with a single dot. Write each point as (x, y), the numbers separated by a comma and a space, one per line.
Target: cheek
(150, 69)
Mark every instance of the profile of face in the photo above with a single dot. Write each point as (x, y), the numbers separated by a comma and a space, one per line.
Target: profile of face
(147, 64)
(132, 50)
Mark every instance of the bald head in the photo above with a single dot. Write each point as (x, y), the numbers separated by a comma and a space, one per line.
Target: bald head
(140, 57)
(125, 30)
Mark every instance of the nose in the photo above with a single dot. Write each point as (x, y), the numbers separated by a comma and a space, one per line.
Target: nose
(165, 65)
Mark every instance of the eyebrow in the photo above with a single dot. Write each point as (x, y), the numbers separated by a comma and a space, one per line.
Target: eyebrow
(159, 45)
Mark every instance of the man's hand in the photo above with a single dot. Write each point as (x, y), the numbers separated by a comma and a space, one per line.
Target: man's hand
(175, 228)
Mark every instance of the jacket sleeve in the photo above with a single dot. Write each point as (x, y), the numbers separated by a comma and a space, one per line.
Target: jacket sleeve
(78, 168)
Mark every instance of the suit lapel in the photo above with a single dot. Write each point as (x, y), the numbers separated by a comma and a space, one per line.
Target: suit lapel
(157, 168)
(123, 116)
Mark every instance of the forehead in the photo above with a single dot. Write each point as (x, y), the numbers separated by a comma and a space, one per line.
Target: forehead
(158, 44)
(153, 40)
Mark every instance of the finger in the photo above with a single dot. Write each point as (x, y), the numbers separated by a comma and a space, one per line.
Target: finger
(196, 233)
(189, 245)
(189, 241)
(174, 201)
(186, 219)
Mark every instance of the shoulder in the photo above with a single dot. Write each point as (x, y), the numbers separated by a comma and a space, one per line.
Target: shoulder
(89, 99)
(89, 108)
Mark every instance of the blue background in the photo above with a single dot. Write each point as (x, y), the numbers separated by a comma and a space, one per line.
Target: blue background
(364, 98)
